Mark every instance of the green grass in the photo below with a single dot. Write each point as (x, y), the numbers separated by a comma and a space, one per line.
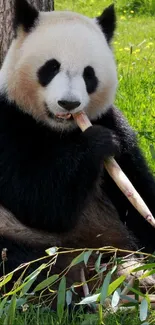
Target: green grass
(34, 317)
(38, 317)
(136, 74)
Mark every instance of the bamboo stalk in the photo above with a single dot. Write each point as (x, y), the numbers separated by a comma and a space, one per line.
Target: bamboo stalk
(118, 175)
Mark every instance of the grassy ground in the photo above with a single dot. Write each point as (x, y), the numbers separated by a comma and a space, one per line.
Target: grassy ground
(134, 48)
(45, 318)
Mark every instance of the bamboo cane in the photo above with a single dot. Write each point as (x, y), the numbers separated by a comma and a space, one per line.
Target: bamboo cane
(118, 175)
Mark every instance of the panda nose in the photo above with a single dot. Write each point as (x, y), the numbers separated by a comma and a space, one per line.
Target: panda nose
(68, 105)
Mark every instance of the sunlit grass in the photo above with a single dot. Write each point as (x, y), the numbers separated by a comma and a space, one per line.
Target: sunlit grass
(134, 48)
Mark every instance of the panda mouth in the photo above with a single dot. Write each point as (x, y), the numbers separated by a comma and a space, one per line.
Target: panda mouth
(60, 117)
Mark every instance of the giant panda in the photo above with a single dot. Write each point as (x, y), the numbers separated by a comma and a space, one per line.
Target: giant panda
(54, 189)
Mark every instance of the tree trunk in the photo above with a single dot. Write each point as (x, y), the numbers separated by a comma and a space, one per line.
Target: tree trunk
(6, 13)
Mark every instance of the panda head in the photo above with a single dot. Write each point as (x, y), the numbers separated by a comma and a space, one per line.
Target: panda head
(60, 62)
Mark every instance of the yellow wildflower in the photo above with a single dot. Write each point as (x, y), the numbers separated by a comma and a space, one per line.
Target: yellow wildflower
(123, 18)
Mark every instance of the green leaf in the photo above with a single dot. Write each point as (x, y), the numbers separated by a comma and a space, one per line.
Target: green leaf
(115, 299)
(47, 282)
(51, 251)
(32, 277)
(86, 257)
(147, 274)
(89, 300)
(35, 272)
(78, 259)
(136, 291)
(104, 268)
(113, 269)
(129, 299)
(105, 287)
(98, 263)
(61, 298)
(152, 151)
(143, 310)
(114, 285)
(9, 319)
(144, 267)
(69, 297)
(27, 286)
(6, 279)
(2, 304)
(21, 301)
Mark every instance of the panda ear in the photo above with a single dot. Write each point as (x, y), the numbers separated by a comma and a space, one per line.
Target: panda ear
(107, 22)
(24, 15)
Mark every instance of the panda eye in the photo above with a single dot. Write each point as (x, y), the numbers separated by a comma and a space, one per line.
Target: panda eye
(48, 71)
(90, 79)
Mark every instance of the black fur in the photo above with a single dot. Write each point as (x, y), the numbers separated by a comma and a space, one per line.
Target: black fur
(107, 22)
(90, 79)
(25, 15)
(47, 177)
(48, 71)
(40, 167)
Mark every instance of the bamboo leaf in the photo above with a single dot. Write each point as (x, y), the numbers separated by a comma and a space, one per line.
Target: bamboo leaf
(69, 297)
(6, 279)
(114, 285)
(9, 319)
(98, 263)
(61, 298)
(86, 257)
(47, 282)
(143, 310)
(89, 300)
(144, 267)
(78, 259)
(2, 304)
(147, 274)
(105, 287)
(115, 299)
(51, 251)
(27, 286)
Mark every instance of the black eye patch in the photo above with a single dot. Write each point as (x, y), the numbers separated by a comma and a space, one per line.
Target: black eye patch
(48, 71)
(90, 79)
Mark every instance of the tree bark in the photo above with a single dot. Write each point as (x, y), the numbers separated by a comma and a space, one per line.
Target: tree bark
(6, 28)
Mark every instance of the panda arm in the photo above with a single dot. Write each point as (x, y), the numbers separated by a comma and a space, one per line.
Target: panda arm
(134, 165)
(45, 187)
(131, 158)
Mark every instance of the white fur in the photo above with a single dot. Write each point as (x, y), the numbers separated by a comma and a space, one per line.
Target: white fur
(76, 42)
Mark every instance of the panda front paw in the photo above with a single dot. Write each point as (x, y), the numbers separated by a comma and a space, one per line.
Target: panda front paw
(102, 142)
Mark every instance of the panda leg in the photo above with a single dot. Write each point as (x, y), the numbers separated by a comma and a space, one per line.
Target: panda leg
(99, 226)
